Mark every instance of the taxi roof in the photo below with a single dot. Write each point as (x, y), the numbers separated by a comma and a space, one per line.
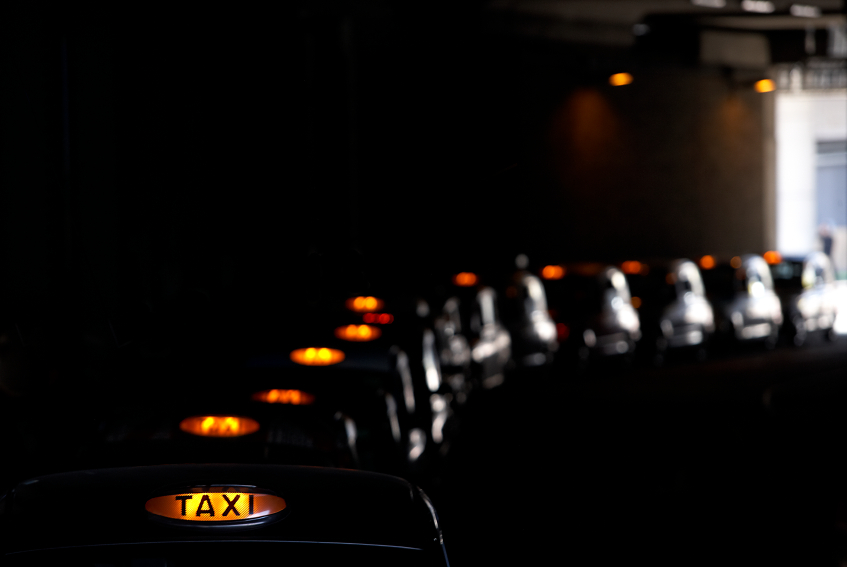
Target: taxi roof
(107, 507)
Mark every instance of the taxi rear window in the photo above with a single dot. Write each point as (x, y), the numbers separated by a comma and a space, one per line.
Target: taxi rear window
(220, 553)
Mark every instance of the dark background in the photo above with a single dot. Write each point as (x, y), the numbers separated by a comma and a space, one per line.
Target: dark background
(174, 181)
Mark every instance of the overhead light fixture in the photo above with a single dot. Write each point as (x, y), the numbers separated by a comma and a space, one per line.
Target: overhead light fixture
(710, 3)
(805, 11)
(620, 79)
(758, 6)
(765, 86)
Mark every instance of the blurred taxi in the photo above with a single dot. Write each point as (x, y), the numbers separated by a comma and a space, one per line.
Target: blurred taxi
(806, 288)
(491, 343)
(454, 350)
(533, 330)
(219, 515)
(592, 308)
(672, 305)
(473, 343)
(746, 305)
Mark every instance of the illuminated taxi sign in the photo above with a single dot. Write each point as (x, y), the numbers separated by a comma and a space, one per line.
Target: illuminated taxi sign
(216, 504)
(358, 333)
(773, 257)
(632, 267)
(553, 272)
(219, 425)
(314, 356)
(290, 397)
(364, 304)
(465, 279)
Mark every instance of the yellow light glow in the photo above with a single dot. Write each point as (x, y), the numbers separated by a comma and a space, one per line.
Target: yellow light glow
(215, 504)
(553, 272)
(364, 304)
(314, 356)
(765, 86)
(636, 302)
(290, 397)
(358, 333)
(773, 257)
(465, 279)
(620, 79)
(219, 425)
(707, 262)
(735, 262)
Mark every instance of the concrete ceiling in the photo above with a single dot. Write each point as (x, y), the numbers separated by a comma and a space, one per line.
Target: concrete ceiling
(610, 22)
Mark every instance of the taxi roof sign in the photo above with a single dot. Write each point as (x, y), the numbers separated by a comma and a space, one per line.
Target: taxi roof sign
(219, 425)
(221, 505)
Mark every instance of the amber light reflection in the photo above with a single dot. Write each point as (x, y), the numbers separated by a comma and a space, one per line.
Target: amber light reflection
(735, 262)
(291, 397)
(358, 333)
(317, 356)
(219, 425)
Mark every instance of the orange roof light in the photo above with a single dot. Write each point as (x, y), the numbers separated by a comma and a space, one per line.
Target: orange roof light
(317, 356)
(358, 333)
(465, 279)
(765, 86)
(735, 262)
(363, 304)
(553, 272)
(290, 397)
(773, 257)
(219, 425)
(216, 504)
(707, 262)
(620, 79)
(631, 267)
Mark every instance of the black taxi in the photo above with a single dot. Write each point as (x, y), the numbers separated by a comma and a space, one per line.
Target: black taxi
(218, 515)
